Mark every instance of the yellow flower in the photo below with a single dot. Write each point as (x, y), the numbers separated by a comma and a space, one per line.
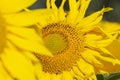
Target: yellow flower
(17, 39)
(77, 44)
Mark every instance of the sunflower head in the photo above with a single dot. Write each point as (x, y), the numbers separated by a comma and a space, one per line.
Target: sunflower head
(74, 44)
(62, 40)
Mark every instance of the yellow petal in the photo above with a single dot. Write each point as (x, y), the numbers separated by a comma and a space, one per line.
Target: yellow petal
(66, 75)
(83, 7)
(97, 41)
(87, 69)
(92, 25)
(38, 70)
(17, 65)
(75, 75)
(109, 64)
(73, 11)
(8, 6)
(114, 48)
(73, 5)
(56, 77)
(46, 76)
(90, 58)
(106, 52)
(110, 27)
(93, 16)
(51, 5)
(28, 18)
(77, 72)
(54, 7)
(26, 33)
(92, 19)
(93, 36)
(3, 73)
(29, 45)
(104, 43)
(30, 56)
(113, 67)
(61, 12)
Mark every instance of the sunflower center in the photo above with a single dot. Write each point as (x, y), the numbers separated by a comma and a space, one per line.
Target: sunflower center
(2, 34)
(66, 43)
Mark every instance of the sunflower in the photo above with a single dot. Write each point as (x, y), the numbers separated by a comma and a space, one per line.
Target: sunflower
(77, 44)
(16, 40)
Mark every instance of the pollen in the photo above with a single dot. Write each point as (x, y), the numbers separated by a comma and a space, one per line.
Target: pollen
(65, 43)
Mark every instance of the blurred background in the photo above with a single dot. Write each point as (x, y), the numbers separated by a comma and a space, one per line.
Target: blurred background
(95, 5)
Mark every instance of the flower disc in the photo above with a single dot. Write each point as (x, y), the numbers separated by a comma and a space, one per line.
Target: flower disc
(65, 43)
